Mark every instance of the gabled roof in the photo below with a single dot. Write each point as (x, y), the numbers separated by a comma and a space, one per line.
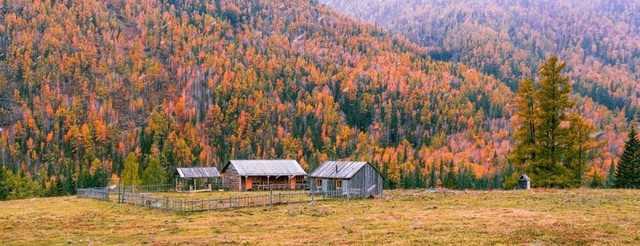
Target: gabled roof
(266, 167)
(338, 169)
(198, 172)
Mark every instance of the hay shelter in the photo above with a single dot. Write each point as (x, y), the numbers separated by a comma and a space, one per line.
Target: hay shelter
(249, 175)
(198, 179)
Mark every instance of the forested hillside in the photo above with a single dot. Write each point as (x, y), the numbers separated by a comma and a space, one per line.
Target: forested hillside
(201, 82)
(598, 39)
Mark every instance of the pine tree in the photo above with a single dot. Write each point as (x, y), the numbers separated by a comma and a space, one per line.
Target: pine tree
(443, 174)
(611, 176)
(418, 177)
(580, 146)
(56, 189)
(85, 179)
(154, 174)
(625, 173)
(596, 181)
(130, 174)
(553, 97)
(100, 178)
(525, 133)
(497, 181)
(4, 186)
(69, 185)
(450, 179)
(433, 178)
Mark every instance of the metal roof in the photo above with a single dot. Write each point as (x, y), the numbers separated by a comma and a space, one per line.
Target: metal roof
(338, 169)
(266, 167)
(198, 172)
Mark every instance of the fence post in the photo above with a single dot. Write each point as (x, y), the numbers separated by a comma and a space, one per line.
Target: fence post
(270, 197)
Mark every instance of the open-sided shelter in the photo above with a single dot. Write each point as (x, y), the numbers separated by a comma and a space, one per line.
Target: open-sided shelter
(348, 178)
(197, 179)
(244, 175)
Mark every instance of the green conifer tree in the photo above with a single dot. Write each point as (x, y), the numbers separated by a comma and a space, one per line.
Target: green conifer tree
(100, 178)
(525, 133)
(553, 97)
(154, 174)
(433, 178)
(450, 179)
(625, 172)
(130, 175)
(4, 186)
(611, 176)
(596, 181)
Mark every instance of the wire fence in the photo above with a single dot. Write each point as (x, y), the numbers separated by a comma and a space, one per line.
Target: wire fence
(146, 196)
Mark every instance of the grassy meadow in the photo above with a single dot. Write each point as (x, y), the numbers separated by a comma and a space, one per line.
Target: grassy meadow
(403, 217)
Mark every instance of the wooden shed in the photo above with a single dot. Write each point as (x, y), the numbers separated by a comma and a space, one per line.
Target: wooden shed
(347, 178)
(197, 179)
(245, 175)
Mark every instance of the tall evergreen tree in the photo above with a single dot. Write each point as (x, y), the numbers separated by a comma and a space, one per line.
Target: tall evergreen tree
(625, 173)
(553, 97)
(450, 179)
(579, 147)
(130, 174)
(85, 179)
(611, 176)
(596, 180)
(100, 178)
(525, 133)
(4, 186)
(433, 178)
(154, 174)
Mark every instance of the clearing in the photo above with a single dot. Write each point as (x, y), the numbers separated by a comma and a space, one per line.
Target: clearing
(403, 217)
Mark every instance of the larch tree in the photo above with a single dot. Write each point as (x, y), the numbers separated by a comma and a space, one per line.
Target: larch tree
(525, 133)
(580, 145)
(553, 97)
(130, 175)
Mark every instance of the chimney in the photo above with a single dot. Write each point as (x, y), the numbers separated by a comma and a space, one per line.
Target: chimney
(336, 167)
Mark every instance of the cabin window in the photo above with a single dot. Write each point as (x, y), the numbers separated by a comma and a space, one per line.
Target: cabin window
(318, 182)
(338, 184)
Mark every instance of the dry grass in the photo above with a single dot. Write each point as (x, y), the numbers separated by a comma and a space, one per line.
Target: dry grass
(403, 217)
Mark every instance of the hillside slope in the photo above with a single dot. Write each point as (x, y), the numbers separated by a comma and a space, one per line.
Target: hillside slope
(199, 83)
(599, 40)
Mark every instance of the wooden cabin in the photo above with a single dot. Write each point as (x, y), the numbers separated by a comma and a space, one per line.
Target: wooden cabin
(348, 178)
(198, 179)
(249, 175)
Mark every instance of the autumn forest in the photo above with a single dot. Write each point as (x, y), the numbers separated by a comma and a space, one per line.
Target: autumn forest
(431, 99)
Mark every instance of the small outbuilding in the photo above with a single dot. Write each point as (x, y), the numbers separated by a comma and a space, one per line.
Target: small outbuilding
(246, 175)
(198, 179)
(348, 178)
(524, 182)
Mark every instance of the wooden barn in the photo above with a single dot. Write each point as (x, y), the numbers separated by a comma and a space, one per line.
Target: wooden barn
(246, 175)
(197, 179)
(347, 178)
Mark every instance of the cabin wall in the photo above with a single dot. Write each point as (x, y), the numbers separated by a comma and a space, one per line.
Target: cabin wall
(367, 180)
(232, 179)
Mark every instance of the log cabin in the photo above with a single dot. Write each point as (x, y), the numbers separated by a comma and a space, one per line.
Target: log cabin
(251, 175)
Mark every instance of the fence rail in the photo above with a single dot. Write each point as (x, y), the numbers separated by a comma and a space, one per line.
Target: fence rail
(95, 193)
(145, 197)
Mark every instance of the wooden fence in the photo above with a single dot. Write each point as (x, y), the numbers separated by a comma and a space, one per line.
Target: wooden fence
(95, 193)
(144, 197)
